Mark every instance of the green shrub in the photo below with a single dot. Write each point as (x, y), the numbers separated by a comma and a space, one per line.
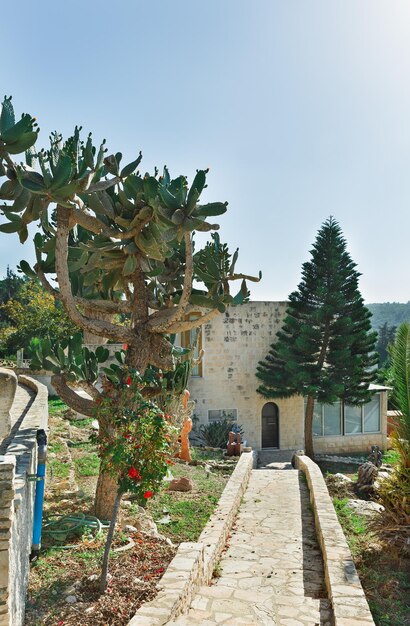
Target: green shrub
(215, 434)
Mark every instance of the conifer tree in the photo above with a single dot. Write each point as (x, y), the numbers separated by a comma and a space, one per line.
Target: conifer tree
(325, 350)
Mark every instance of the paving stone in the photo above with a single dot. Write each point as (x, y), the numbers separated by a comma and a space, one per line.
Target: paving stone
(272, 570)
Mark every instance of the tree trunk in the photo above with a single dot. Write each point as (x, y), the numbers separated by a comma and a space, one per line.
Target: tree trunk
(107, 485)
(110, 536)
(310, 405)
(105, 495)
(90, 338)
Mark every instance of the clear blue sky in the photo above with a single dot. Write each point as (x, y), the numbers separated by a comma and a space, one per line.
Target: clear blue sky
(300, 108)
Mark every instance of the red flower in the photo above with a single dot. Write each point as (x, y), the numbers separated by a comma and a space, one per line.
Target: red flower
(134, 473)
(127, 436)
(125, 346)
(169, 462)
(148, 494)
(129, 381)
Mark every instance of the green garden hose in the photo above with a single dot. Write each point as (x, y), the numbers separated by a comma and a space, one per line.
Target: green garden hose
(59, 527)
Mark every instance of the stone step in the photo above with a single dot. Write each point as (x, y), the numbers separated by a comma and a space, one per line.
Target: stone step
(274, 459)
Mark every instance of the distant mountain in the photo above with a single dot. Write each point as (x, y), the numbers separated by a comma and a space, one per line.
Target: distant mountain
(394, 313)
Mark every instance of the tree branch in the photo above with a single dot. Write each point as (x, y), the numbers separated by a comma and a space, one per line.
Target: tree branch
(97, 327)
(44, 281)
(254, 279)
(91, 223)
(178, 312)
(183, 325)
(89, 388)
(104, 306)
(102, 184)
(70, 397)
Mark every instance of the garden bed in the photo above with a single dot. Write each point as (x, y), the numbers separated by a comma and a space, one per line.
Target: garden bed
(384, 574)
(62, 575)
(65, 570)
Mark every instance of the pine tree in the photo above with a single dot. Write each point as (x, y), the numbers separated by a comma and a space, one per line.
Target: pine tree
(325, 350)
(385, 337)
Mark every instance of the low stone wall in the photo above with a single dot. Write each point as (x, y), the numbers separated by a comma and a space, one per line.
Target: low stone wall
(194, 563)
(215, 533)
(350, 444)
(342, 581)
(41, 376)
(16, 507)
(8, 385)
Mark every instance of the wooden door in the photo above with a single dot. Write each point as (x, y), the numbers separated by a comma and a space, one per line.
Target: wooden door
(270, 425)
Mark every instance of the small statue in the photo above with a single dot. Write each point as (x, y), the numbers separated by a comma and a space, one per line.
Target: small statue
(185, 454)
(234, 446)
(375, 456)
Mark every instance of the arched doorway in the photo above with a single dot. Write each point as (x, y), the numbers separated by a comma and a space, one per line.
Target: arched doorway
(270, 425)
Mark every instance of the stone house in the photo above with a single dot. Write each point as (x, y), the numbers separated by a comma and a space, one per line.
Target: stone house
(224, 383)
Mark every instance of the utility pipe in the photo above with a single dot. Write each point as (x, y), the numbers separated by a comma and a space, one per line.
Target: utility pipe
(39, 497)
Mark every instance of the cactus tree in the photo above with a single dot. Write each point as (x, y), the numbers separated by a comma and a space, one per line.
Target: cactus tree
(116, 247)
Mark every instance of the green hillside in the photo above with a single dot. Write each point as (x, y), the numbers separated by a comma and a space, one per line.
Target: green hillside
(394, 313)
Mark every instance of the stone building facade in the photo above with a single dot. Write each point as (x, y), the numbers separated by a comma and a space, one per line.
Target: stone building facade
(233, 344)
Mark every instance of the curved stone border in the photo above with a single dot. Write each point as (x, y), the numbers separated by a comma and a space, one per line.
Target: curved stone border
(194, 563)
(24, 445)
(342, 581)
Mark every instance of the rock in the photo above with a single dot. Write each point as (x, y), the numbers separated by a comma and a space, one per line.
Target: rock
(71, 599)
(365, 507)
(95, 425)
(145, 524)
(93, 578)
(382, 475)
(126, 504)
(343, 478)
(69, 414)
(181, 484)
(129, 529)
(64, 485)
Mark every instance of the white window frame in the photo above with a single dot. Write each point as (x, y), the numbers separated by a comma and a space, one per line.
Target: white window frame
(233, 416)
(343, 432)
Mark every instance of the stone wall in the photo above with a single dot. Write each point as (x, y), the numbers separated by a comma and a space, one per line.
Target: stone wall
(234, 343)
(16, 507)
(42, 377)
(342, 581)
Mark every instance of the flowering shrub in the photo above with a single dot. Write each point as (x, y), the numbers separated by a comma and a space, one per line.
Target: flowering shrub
(138, 440)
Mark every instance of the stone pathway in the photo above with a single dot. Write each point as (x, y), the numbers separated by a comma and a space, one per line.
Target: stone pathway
(271, 573)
